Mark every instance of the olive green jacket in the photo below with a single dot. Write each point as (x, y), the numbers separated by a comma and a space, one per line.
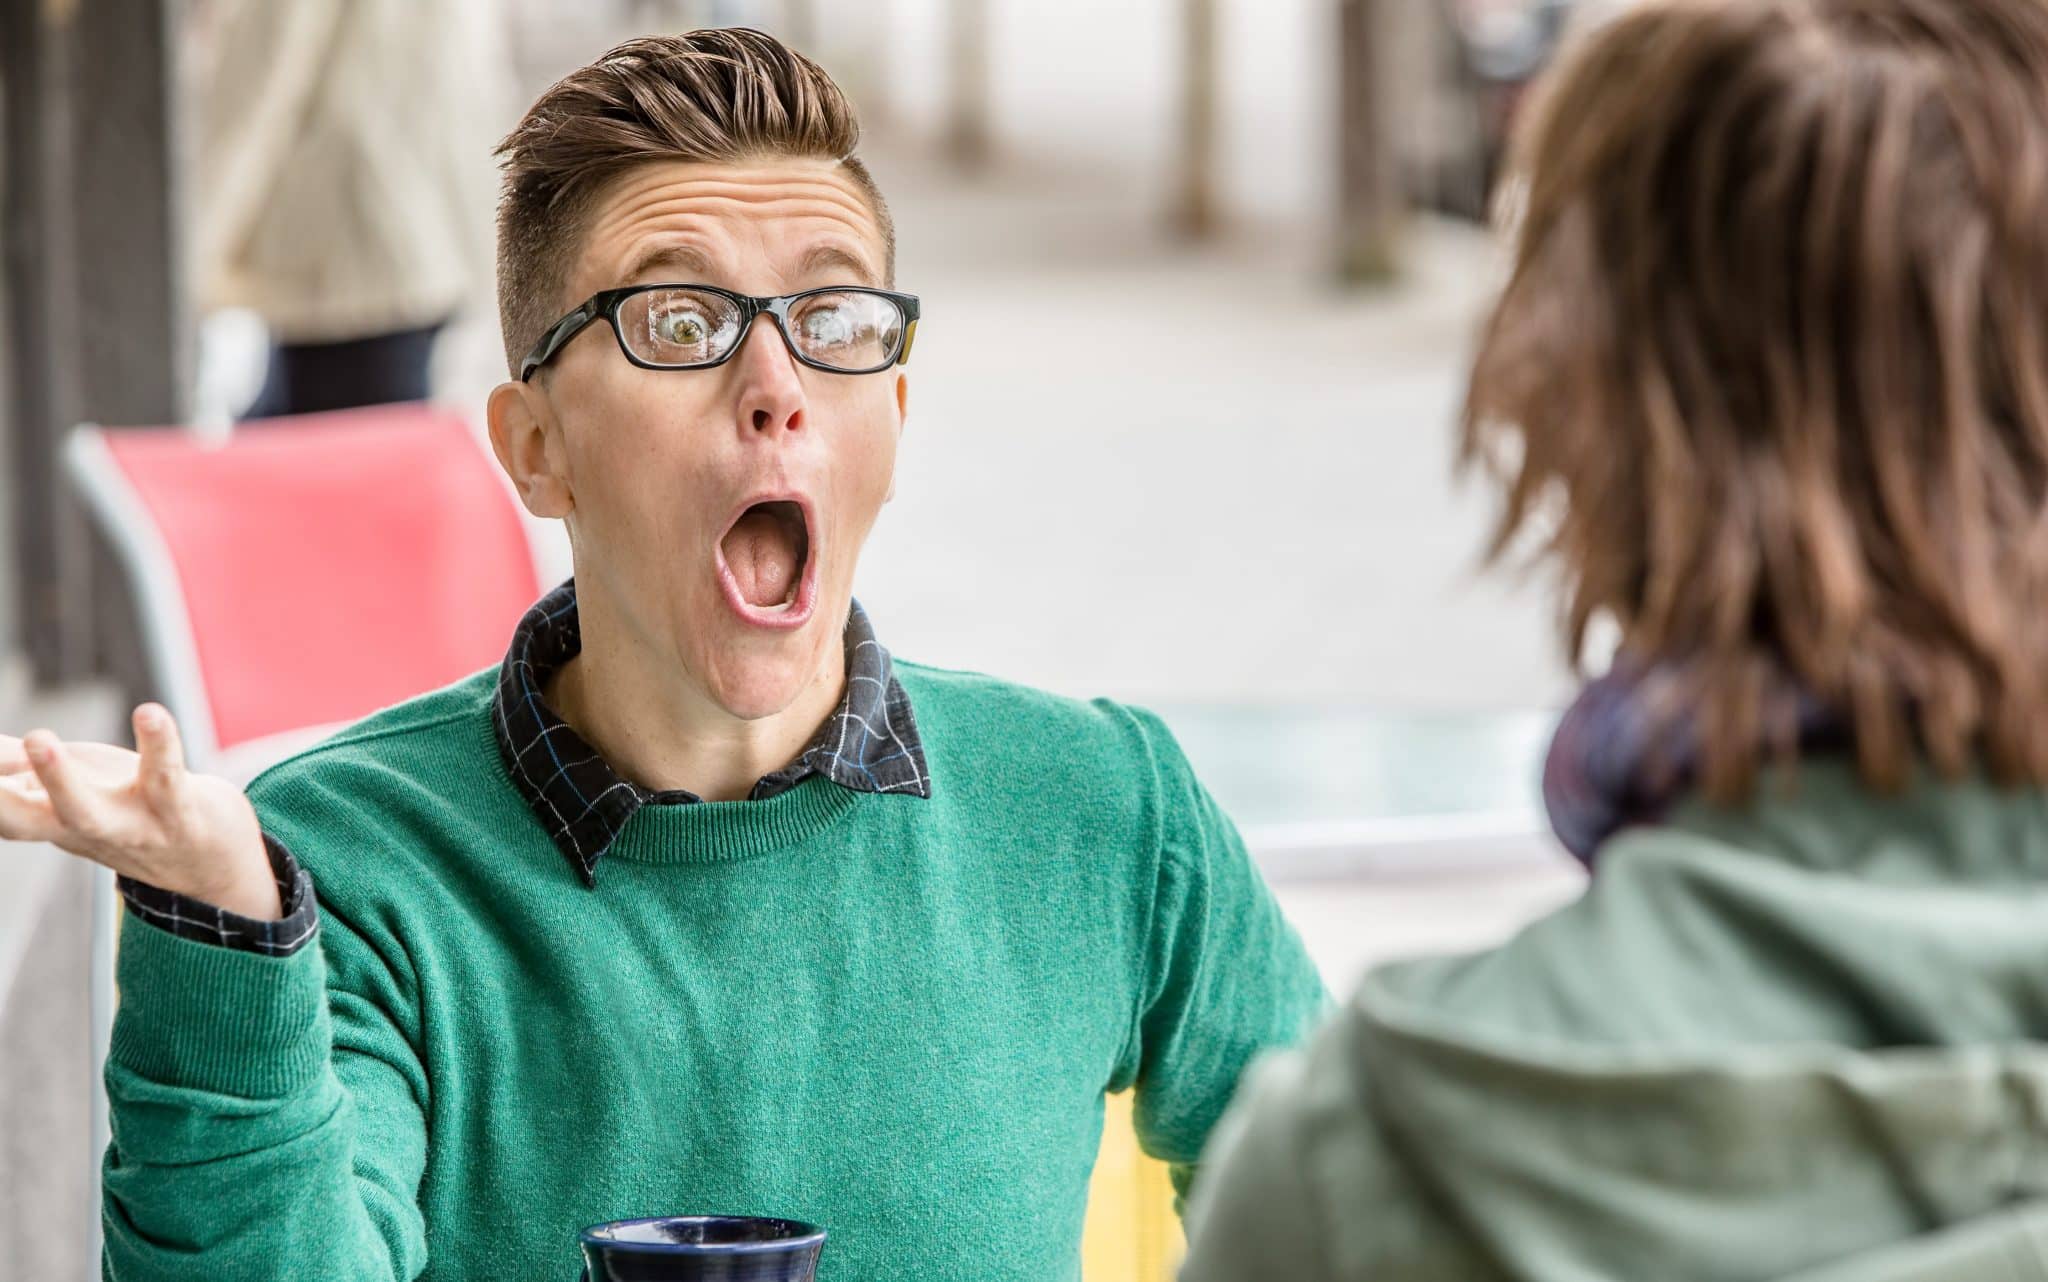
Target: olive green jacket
(1806, 1040)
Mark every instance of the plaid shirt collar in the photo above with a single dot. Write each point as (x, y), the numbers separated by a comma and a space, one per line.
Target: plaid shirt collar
(868, 744)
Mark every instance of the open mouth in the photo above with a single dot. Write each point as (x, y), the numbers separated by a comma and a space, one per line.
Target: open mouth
(765, 564)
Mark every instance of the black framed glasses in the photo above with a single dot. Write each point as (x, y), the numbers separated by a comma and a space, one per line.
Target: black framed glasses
(842, 329)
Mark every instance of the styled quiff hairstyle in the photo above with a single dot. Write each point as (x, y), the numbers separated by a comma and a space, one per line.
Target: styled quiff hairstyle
(719, 95)
(1769, 380)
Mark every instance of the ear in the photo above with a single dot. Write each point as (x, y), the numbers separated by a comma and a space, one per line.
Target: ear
(902, 421)
(525, 437)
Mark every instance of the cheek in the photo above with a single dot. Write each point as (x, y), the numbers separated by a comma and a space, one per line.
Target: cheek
(880, 473)
(867, 454)
(636, 470)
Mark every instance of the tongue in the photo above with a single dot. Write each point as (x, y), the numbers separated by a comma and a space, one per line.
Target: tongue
(763, 558)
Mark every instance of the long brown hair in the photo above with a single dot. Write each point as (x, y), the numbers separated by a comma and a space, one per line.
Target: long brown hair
(1768, 383)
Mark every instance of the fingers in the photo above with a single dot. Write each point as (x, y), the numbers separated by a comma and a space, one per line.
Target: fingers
(71, 799)
(163, 756)
(25, 811)
(13, 760)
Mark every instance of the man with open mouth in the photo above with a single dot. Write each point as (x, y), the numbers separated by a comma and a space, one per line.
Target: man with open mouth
(699, 902)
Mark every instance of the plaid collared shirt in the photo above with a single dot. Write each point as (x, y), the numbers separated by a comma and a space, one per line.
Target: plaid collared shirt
(188, 918)
(869, 744)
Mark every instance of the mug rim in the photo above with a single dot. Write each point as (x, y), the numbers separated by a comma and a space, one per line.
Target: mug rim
(807, 1234)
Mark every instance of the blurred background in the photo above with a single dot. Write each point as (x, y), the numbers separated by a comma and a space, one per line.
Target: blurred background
(1198, 279)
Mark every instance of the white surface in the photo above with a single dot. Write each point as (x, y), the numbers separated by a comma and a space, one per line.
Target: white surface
(1352, 925)
(1422, 848)
(30, 871)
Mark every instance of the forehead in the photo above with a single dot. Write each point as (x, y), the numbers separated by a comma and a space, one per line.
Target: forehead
(751, 226)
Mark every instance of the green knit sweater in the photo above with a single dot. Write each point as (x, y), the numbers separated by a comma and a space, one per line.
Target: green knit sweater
(893, 1016)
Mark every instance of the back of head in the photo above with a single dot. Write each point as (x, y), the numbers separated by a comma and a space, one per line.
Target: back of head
(1769, 380)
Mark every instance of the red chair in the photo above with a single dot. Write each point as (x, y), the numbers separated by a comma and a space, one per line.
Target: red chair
(301, 574)
(307, 571)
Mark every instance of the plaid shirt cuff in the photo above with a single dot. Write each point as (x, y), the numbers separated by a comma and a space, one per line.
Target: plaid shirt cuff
(187, 918)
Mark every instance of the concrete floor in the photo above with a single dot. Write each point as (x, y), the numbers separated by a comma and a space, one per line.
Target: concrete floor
(49, 1201)
(1137, 467)
(1194, 475)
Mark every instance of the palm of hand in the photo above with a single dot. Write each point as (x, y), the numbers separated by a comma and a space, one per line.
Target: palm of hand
(142, 814)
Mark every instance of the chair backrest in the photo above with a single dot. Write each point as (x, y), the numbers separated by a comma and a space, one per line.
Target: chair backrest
(306, 572)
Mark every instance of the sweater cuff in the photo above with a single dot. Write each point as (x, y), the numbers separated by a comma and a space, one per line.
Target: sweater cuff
(186, 916)
(199, 1016)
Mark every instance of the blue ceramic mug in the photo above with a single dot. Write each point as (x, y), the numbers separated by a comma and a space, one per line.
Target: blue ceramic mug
(701, 1248)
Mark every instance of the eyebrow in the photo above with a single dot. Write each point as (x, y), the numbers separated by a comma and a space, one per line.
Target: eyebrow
(686, 259)
(821, 260)
(691, 262)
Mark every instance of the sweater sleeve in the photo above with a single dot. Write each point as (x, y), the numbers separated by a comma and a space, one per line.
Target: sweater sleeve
(268, 1113)
(1226, 976)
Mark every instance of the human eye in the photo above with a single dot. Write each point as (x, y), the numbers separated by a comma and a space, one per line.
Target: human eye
(684, 326)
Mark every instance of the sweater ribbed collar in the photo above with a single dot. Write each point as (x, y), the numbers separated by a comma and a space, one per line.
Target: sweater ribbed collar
(869, 744)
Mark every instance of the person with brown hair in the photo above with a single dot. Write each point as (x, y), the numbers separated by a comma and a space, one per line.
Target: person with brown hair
(1768, 385)
(698, 902)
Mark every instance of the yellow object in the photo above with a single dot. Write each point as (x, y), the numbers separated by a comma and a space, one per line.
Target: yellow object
(1132, 1234)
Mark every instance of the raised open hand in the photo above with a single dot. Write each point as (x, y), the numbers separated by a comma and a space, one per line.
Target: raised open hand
(142, 814)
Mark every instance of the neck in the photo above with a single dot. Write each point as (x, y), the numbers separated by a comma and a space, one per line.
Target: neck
(654, 726)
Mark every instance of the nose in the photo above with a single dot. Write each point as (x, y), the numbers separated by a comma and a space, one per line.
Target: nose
(771, 394)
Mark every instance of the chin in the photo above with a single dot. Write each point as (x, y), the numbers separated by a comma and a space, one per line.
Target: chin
(758, 686)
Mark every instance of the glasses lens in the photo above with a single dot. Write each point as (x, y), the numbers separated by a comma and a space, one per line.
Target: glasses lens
(849, 330)
(678, 327)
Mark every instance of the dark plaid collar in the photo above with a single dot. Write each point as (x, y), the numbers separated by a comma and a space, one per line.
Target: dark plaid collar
(1629, 748)
(868, 744)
